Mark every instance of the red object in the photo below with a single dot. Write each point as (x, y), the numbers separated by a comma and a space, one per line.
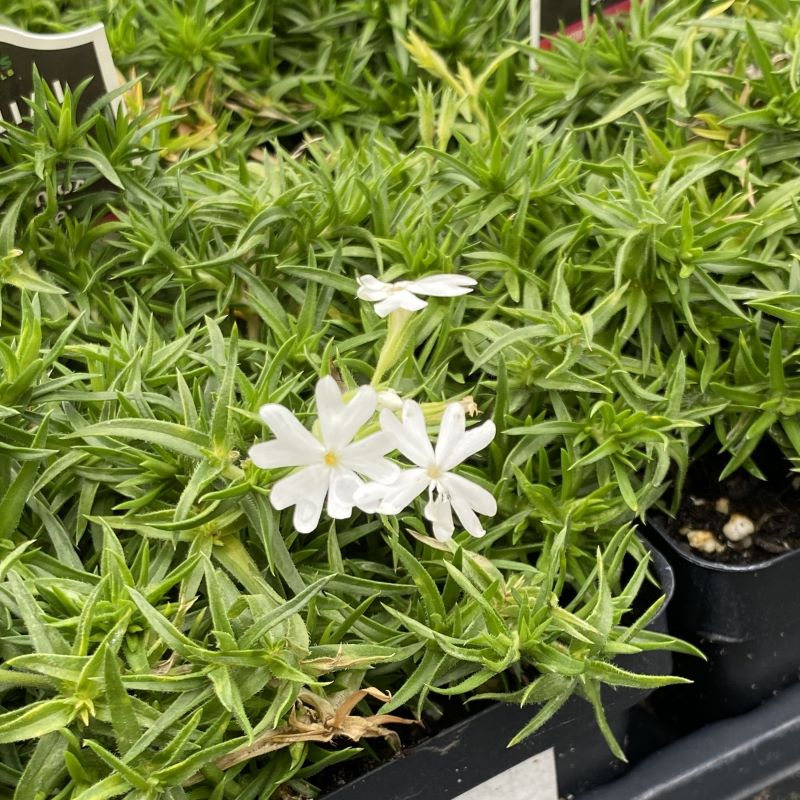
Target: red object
(575, 30)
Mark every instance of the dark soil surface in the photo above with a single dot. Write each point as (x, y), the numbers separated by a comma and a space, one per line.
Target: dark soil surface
(773, 506)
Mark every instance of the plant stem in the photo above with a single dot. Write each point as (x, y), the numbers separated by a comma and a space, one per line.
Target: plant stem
(398, 337)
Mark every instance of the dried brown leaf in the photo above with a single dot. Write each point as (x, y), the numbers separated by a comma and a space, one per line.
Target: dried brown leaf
(318, 720)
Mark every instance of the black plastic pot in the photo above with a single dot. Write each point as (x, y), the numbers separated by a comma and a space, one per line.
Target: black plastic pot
(754, 755)
(745, 619)
(475, 750)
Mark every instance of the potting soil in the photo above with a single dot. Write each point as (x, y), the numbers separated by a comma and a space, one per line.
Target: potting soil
(773, 505)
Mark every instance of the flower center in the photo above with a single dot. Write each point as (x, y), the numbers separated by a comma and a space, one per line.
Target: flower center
(331, 459)
(434, 473)
(400, 286)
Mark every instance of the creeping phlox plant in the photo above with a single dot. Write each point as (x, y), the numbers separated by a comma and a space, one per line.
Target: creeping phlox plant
(532, 296)
(334, 462)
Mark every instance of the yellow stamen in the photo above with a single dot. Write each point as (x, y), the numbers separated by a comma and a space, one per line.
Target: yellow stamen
(331, 459)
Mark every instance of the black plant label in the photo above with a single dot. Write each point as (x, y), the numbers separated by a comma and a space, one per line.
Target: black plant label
(64, 59)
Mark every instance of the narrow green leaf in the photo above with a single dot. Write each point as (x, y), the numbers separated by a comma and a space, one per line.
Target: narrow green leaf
(13, 501)
(123, 718)
(35, 720)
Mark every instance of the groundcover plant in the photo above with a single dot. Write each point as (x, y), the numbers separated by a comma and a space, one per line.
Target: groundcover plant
(337, 387)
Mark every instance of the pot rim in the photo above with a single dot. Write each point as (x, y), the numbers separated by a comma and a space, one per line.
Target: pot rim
(664, 572)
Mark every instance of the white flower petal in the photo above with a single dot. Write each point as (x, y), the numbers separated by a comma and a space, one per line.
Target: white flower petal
(370, 496)
(356, 414)
(409, 437)
(442, 285)
(288, 429)
(393, 302)
(305, 490)
(416, 429)
(330, 408)
(409, 484)
(466, 516)
(338, 421)
(381, 470)
(342, 486)
(451, 432)
(307, 512)
(279, 453)
(293, 488)
(473, 441)
(439, 513)
(465, 490)
(375, 468)
(376, 445)
(370, 288)
(410, 302)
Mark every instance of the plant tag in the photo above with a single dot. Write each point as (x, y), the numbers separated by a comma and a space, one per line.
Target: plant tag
(62, 59)
(552, 15)
(532, 779)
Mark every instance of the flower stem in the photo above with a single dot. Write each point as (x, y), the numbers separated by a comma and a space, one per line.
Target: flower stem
(398, 337)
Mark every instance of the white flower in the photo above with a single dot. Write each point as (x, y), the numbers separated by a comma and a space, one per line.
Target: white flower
(331, 465)
(390, 297)
(447, 492)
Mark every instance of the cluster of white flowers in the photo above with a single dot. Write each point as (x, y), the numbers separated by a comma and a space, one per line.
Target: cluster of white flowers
(352, 472)
(355, 473)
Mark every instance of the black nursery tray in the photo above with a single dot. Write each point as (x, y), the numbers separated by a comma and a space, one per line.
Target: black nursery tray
(475, 750)
(754, 756)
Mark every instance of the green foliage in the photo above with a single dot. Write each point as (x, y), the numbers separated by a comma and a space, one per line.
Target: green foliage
(628, 212)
